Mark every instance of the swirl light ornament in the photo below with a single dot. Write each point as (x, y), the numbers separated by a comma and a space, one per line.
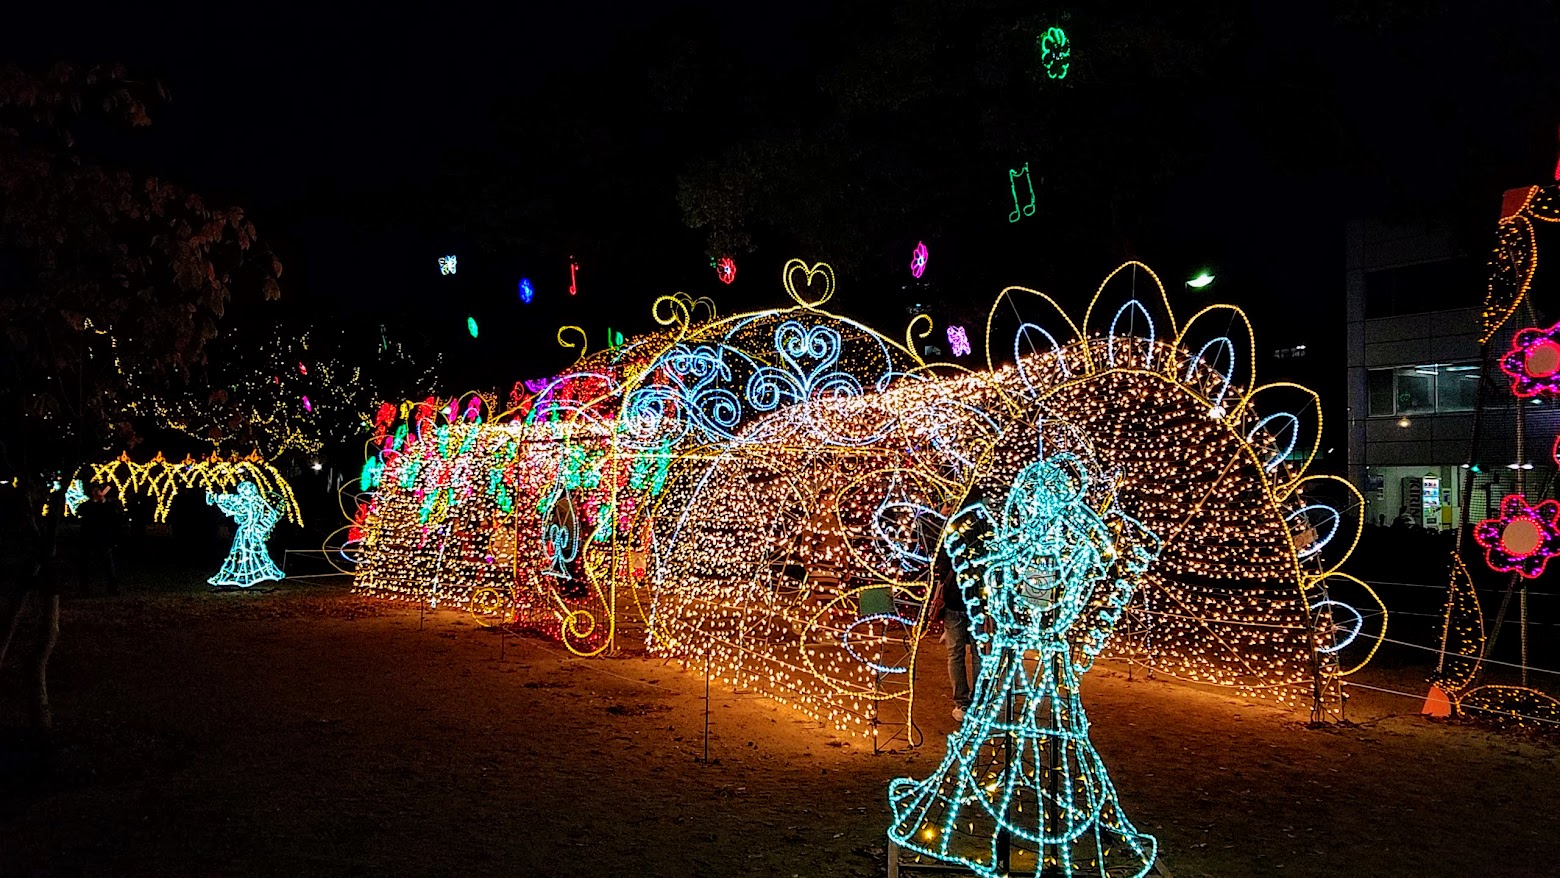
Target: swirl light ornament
(765, 491)
(1021, 788)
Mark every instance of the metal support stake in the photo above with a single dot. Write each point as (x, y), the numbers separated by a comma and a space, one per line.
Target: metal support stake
(706, 706)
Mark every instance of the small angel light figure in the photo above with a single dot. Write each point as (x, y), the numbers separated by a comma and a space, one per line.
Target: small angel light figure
(253, 517)
(1021, 788)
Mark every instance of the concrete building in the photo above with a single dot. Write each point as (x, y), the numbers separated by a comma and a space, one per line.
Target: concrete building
(1413, 371)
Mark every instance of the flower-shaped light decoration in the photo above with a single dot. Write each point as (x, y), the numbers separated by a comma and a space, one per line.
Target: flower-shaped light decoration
(448, 265)
(1523, 538)
(918, 260)
(959, 340)
(726, 269)
(1533, 363)
(1055, 52)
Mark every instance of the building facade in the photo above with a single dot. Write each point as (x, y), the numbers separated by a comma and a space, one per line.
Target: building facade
(1414, 365)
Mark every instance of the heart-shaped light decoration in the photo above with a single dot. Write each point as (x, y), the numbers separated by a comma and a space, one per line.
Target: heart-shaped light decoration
(788, 277)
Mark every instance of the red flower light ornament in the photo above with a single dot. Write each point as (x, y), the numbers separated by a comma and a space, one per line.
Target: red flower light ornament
(1533, 363)
(1523, 538)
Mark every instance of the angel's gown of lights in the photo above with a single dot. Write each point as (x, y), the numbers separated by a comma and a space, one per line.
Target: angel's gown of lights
(1020, 780)
(253, 518)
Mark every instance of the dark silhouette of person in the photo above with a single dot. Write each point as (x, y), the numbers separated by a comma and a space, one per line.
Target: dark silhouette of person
(1403, 518)
(101, 523)
(948, 607)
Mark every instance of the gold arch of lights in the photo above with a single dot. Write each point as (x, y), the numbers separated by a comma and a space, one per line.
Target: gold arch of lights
(161, 479)
(768, 491)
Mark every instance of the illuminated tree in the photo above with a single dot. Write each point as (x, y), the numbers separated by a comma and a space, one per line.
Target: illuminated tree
(291, 391)
(114, 284)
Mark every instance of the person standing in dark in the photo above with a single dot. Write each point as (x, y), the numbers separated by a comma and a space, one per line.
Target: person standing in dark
(948, 608)
(101, 522)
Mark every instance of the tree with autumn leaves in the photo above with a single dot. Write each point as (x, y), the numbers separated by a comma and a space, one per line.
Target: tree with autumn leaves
(111, 285)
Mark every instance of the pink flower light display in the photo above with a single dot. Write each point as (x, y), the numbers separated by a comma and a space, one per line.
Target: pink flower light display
(1533, 363)
(1523, 538)
(918, 260)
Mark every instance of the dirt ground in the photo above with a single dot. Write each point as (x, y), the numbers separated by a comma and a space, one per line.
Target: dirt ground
(306, 731)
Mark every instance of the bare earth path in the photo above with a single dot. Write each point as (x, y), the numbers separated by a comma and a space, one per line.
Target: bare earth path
(308, 732)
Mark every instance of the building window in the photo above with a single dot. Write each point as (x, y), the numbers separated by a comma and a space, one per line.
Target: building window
(1429, 286)
(1380, 382)
(1457, 388)
(1423, 390)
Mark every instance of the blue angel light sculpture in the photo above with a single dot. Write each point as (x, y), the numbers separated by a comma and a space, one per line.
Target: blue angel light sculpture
(1021, 788)
(253, 517)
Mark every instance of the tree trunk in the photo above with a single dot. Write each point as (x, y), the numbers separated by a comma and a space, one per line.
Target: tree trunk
(13, 620)
(51, 635)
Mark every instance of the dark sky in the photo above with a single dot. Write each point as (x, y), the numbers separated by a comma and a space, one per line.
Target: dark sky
(338, 130)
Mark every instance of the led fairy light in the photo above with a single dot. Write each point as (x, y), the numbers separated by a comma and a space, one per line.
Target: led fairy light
(1046, 580)
(760, 489)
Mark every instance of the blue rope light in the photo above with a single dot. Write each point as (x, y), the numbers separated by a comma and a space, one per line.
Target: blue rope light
(247, 561)
(1050, 576)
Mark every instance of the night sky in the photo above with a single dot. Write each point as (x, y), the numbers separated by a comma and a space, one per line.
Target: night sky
(364, 145)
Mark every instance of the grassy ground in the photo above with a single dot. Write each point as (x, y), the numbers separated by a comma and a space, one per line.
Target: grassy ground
(306, 731)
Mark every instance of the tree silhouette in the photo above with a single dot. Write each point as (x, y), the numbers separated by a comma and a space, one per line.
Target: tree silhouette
(111, 284)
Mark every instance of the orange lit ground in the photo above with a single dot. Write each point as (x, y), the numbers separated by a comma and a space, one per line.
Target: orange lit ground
(309, 732)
